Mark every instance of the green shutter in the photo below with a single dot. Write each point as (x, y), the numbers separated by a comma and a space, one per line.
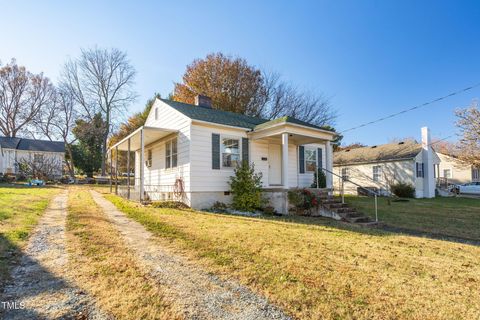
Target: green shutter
(301, 159)
(319, 158)
(215, 151)
(245, 152)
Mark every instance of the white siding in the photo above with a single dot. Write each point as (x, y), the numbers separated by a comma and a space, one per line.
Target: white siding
(203, 177)
(11, 157)
(168, 118)
(362, 174)
(460, 172)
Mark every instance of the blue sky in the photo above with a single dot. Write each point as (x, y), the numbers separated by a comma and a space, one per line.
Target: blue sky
(372, 58)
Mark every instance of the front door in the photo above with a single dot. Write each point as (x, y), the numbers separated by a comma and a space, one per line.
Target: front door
(274, 164)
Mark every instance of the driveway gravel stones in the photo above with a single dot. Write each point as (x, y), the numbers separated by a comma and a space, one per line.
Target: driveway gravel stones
(41, 286)
(196, 293)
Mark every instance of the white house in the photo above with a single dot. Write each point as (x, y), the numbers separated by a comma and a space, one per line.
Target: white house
(376, 167)
(14, 150)
(455, 171)
(188, 152)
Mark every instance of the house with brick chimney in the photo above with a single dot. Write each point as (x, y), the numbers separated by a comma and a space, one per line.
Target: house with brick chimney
(379, 166)
(188, 152)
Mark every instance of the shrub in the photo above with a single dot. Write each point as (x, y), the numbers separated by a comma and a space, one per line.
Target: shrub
(219, 206)
(170, 205)
(403, 190)
(302, 200)
(269, 210)
(322, 182)
(246, 188)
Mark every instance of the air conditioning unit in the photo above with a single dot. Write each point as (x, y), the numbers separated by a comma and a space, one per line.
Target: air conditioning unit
(148, 163)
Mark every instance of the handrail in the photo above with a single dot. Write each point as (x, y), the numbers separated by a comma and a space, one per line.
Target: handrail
(375, 194)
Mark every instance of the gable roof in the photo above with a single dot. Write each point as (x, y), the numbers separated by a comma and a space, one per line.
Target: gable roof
(384, 152)
(231, 118)
(31, 144)
(215, 115)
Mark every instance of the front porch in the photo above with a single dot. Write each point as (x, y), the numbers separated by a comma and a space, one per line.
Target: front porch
(130, 184)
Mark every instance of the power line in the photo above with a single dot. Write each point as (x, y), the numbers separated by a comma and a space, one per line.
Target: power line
(412, 108)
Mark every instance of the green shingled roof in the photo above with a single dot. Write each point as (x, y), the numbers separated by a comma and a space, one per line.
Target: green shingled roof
(230, 118)
(214, 115)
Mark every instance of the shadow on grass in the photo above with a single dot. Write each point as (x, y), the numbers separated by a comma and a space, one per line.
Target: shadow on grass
(24, 279)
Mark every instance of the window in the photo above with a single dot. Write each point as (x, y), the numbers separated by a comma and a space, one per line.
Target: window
(345, 173)
(419, 169)
(148, 163)
(171, 154)
(38, 158)
(230, 152)
(476, 174)
(310, 160)
(377, 172)
(447, 173)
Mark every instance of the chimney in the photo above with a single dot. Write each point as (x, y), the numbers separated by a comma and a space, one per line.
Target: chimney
(203, 101)
(427, 158)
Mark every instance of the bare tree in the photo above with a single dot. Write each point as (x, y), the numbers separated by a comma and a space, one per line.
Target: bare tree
(101, 82)
(469, 125)
(56, 122)
(22, 96)
(46, 168)
(283, 99)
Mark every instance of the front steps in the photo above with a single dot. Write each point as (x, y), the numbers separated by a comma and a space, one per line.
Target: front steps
(333, 208)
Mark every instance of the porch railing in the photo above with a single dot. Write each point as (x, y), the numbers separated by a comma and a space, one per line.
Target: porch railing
(343, 180)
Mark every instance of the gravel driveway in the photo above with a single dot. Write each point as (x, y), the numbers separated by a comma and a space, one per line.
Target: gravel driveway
(41, 286)
(196, 293)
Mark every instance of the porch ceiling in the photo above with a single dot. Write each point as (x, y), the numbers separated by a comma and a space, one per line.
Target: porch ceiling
(150, 134)
(293, 139)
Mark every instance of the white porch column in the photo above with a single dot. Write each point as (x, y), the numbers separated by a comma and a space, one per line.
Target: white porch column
(142, 164)
(285, 160)
(329, 165)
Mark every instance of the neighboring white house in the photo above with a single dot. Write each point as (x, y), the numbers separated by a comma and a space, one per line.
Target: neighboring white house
(189, 152)
(14, 150)
(455, 171)
(377, 167)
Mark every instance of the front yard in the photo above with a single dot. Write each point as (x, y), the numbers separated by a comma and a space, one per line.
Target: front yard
(316, 268)
(455, 217)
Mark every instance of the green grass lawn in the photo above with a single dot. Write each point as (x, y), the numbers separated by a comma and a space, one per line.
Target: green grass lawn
(321, 269)
(457, 217)
(20, 208)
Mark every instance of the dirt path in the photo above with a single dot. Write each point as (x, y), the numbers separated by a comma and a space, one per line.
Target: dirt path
(198, 294)
(40, 284)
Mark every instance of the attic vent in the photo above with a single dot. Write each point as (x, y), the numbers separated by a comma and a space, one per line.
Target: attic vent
(401, 142)
(373, 147)
(203, 101)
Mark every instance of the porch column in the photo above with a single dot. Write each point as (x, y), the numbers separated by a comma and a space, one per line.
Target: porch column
(116, 170)
(285, 160)
(329, 165)
(142, 169)
(128, 170)
(111, 169)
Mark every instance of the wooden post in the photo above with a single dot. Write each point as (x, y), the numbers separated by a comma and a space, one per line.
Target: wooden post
(111, 169)
(116, 170)
(128, 170)
(142, 169)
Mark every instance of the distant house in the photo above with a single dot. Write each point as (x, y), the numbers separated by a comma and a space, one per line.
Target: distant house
(376, 167)
(455, 171)
(189, 152)
(15, 150)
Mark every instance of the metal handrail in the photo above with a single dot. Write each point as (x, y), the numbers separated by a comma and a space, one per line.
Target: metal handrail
(375, 194)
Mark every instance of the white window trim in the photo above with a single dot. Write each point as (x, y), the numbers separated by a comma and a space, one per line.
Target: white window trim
(222, 137)
(379, 173)
(171, 154)
(305, 158)
(347, 173)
